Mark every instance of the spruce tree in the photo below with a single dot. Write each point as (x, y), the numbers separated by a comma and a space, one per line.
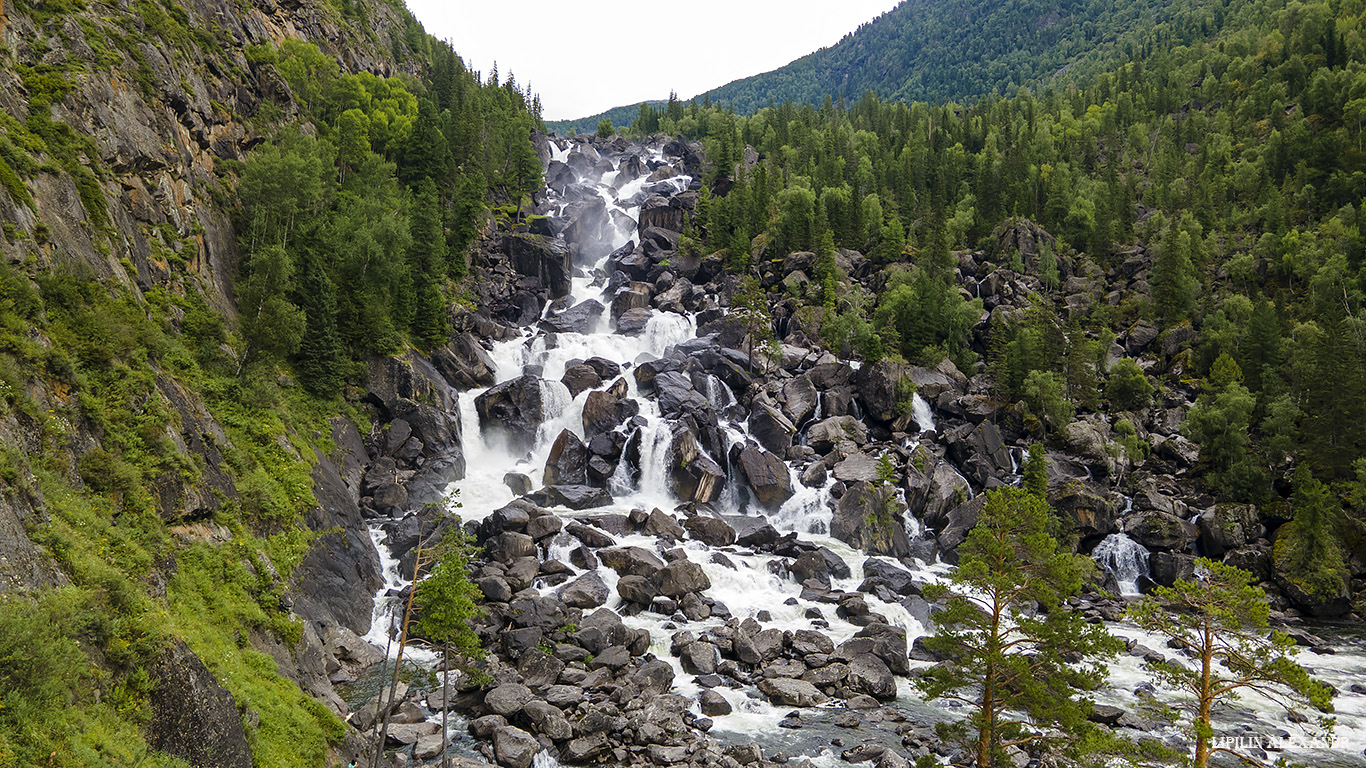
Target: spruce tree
(427, 264)
(320, 357)
(1173, 276)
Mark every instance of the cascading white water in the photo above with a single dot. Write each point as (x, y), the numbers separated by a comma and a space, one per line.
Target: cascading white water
(920, 411)
(1124, 559)
(749, 584)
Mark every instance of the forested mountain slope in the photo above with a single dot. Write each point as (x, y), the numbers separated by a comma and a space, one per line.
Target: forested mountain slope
(220, 220)
(940, 51)
(1196, 211)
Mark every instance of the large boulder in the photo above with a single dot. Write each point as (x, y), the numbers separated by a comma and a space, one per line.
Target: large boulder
(767, 475)
(514, 747)
(1228, 526)
(1094, 515)
(567, 463)
(693, 475)
(870, 518)
(800, 399)
(517, 406)
(605, 410)
(770, 427)
(465, 363)
(587, 591)
(947, 489)
(787, 692)
(680, 578)
(877, 388)
(544, 258)
(870, 675)
(571, 496)
(857, 467)
(580, 318)
(824, 435)
(193, 717)
(1161, 531)
(983, 453)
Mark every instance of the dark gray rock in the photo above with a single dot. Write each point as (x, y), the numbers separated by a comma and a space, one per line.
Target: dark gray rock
(192, 716)
(572, 496)
(514, 747)
(508, 699)
(767, 475)
(587, 591)
(792, 693)
(824, 435)
(579, 377)
(712, 531)
(567, 463)
(870, 518)
(544, 258)
(870, 675)
(877, 388)
(1160, 531)
(517, 407)
(580, 318)
(681, 578)
(1228, 526)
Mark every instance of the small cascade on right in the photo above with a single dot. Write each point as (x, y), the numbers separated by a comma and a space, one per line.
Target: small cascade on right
(1124, 559)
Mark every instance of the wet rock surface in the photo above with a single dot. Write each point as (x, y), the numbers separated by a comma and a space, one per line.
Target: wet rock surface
(683, 533)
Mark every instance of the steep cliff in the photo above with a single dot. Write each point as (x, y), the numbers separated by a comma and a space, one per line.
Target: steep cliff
(189, 531)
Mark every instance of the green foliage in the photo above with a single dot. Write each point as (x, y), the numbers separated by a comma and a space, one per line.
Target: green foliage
(605, 129)
(1015, 647)
(1221, 618)
(1219, 423)
(921, 316)
(446, 599)
(1043, 392)
(1308, 549)
(1128, 388)
(1035, 471)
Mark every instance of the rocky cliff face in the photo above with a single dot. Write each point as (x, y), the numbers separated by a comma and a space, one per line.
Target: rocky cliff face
(125, 125)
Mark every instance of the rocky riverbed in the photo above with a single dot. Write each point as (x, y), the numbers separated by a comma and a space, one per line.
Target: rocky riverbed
(678, 567)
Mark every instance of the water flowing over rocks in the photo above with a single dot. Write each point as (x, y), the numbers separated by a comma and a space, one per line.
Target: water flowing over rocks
(687, 549)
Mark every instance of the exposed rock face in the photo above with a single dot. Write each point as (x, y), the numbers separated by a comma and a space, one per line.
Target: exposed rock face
(543, 258)
(877, 388)
(767, 475)
(193, 717)
(870, 518)
(517, 406)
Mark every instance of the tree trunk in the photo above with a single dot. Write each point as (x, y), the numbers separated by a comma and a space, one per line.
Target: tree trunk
(445, 704)
(1202, 721)
(402, 640)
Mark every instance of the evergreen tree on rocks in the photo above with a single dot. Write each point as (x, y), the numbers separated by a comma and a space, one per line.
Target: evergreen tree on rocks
(1221, 619)
(427, 264)
(1018, 658)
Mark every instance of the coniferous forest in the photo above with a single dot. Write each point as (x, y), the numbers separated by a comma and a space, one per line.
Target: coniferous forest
(306, 337)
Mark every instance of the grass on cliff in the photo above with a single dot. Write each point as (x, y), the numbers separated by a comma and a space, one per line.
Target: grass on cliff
(79, 357)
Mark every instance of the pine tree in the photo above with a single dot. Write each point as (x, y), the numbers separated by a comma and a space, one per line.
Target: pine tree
(1021, 661)
(1221, 618)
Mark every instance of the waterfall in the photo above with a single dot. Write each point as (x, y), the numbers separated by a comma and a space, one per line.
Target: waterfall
(1124, 559)
(920, 411)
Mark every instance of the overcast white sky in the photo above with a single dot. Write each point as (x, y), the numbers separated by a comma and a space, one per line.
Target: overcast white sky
(587, 57)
